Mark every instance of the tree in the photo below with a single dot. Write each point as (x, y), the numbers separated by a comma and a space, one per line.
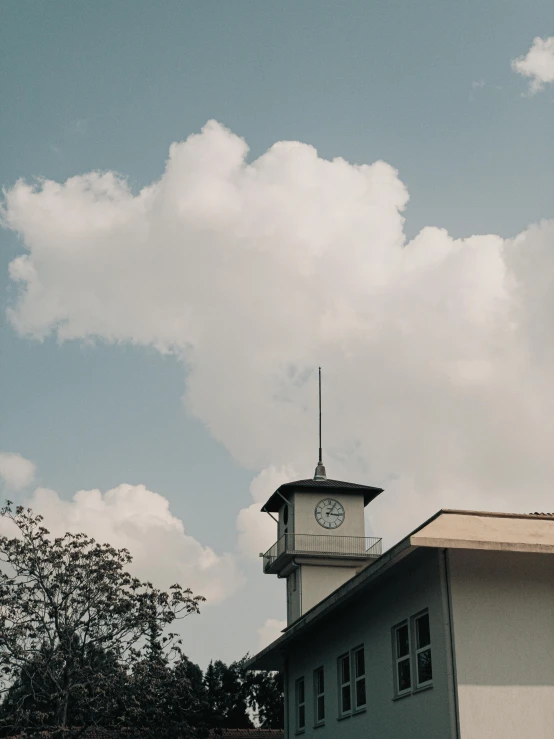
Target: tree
(166, 699)
(73, 624)
(266, 698)
(235, 694)
(30, 701)
(226, 694)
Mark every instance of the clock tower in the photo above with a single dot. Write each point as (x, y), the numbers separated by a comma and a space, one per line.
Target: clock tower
(321, 540)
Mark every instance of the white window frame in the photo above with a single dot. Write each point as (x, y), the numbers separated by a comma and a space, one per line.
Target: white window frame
(348, 656)
(357, 679)
(406, 657)
(319, 695)
(300, 704)
(419, 650)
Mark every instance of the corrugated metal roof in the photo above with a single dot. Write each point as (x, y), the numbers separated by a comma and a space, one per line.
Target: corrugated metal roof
(276, 501)
(311, 483)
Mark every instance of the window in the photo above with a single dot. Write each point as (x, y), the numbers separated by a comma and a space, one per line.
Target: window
(412, 654)
(319, 696)
(359, 678)
(300, 704)
(402, 657)
(345, 695)
(424, 668)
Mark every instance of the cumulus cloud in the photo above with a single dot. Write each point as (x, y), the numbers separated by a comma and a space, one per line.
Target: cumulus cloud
(257, 533)
(16, 472)
(270, 631)
(538, 63)
(138, 519)
(438, 352)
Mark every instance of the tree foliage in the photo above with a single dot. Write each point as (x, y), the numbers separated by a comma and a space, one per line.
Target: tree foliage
(73, 625)
(227, 696)
(235, 695)
(266, 698)
(85, 644)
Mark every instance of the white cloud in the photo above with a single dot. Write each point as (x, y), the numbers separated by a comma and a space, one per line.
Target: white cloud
(538, 63)
(138, 519)
(256, 533)
(270, 631)
(15, 471)
(438, 354)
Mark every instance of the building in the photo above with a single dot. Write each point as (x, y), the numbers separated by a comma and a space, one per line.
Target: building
(448, 635)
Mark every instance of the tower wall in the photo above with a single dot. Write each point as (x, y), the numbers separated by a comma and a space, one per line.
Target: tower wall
(288, 527)
(294, 595)
(318, 582)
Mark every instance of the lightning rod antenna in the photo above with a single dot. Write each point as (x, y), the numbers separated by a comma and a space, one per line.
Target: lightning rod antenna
(320, 473)
(320, 450)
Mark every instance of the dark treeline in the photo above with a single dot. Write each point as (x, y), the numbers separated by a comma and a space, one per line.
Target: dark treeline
(84, 644)
(155, 699)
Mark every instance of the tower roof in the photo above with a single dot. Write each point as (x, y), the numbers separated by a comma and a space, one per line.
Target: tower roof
(346, 488)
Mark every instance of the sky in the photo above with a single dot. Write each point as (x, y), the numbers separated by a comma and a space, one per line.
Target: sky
(202, 203)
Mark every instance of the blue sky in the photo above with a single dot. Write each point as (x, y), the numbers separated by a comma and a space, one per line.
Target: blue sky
(428, 88)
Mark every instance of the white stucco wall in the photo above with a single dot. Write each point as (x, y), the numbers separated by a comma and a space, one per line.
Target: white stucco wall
(294, 596)
(503, 621)
(318, 582)
(415, 584)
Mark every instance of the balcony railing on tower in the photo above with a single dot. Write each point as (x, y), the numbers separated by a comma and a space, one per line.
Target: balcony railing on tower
(320, 545)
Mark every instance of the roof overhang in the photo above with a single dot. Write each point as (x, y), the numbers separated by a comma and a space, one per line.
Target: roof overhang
(509, 532)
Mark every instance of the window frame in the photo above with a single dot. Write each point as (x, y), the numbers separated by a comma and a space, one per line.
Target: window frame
(319, 695)
(300, 727)
(418, 650)
(357, 679)
(405, 657)
(342, 685)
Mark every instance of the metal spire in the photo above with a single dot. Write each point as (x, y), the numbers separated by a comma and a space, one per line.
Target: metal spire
(320, 473)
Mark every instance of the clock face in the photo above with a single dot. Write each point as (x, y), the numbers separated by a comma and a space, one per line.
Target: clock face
(329, 513)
